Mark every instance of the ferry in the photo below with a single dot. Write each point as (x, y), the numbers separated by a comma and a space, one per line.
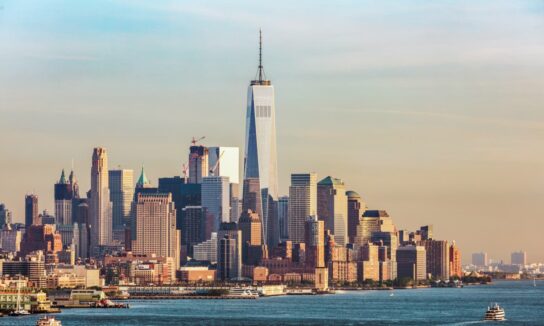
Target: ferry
(48, 321)
(494, 313)
(243, 293)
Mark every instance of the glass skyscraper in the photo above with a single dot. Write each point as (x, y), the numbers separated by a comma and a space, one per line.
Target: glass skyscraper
(260, 156)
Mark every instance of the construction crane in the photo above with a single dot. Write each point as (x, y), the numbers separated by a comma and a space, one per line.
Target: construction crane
(212, 170)
(185, 170)
(196, 140)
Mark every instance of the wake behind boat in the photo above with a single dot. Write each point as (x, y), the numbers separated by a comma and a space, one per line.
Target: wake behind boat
(495, 313)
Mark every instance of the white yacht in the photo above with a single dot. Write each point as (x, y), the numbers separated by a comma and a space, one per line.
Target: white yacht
(495, 313)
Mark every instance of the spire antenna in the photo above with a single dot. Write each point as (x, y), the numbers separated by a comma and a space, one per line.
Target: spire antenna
(260, 56)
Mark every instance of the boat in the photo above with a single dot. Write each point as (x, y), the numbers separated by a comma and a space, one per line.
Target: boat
(495, 313)
(19, 311)
(48, 321)
(243, 293)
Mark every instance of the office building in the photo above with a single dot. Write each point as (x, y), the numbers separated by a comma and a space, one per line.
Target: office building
(302, 203)
(154, 227)
(251, 198)
(411, 262)
(332, 207)
(518, 258)
(356, 208)
(216, 199)
(194, 227)
(426, 232)
(480, 259)
(121, 184)
(100, 208)
(31, 210)
(183, 194)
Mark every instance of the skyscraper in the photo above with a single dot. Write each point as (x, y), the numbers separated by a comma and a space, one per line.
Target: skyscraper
(31, 210)
(64, 197)
(356, 207)
(99, 202)
(154, 227)
(216, 199)
(332, 207)
(302, 203)
(251, 228)
(260, 148)
(121, 183)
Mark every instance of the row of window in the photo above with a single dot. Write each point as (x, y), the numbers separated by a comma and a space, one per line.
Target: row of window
(263, 111)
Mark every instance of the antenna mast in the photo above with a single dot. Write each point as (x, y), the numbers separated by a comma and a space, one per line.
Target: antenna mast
(260, 56)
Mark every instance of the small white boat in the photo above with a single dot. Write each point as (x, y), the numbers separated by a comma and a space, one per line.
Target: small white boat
(20, 312)
(48, 321)
(495, 313)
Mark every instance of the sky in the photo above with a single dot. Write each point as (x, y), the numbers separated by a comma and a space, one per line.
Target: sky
(431, 110)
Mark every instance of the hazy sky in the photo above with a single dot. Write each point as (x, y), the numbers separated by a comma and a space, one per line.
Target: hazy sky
(431, 110)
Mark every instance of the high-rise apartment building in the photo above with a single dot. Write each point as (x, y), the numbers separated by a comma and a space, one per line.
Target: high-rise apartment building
(121, 183)
(260, 149)
(356, 208)
(216, 199)
(455, 261)
(332, 207)
(518, 258)
(411, 262)
(302, 203)
(198, 163)
(314, 238)
(480, 259)
(438, 258)
(154, 227)
(31, 210)
(99, 202)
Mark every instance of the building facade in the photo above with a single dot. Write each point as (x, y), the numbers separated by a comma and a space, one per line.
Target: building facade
(121, 184)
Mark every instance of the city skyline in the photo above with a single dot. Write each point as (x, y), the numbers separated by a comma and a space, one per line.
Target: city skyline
(450, 202)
